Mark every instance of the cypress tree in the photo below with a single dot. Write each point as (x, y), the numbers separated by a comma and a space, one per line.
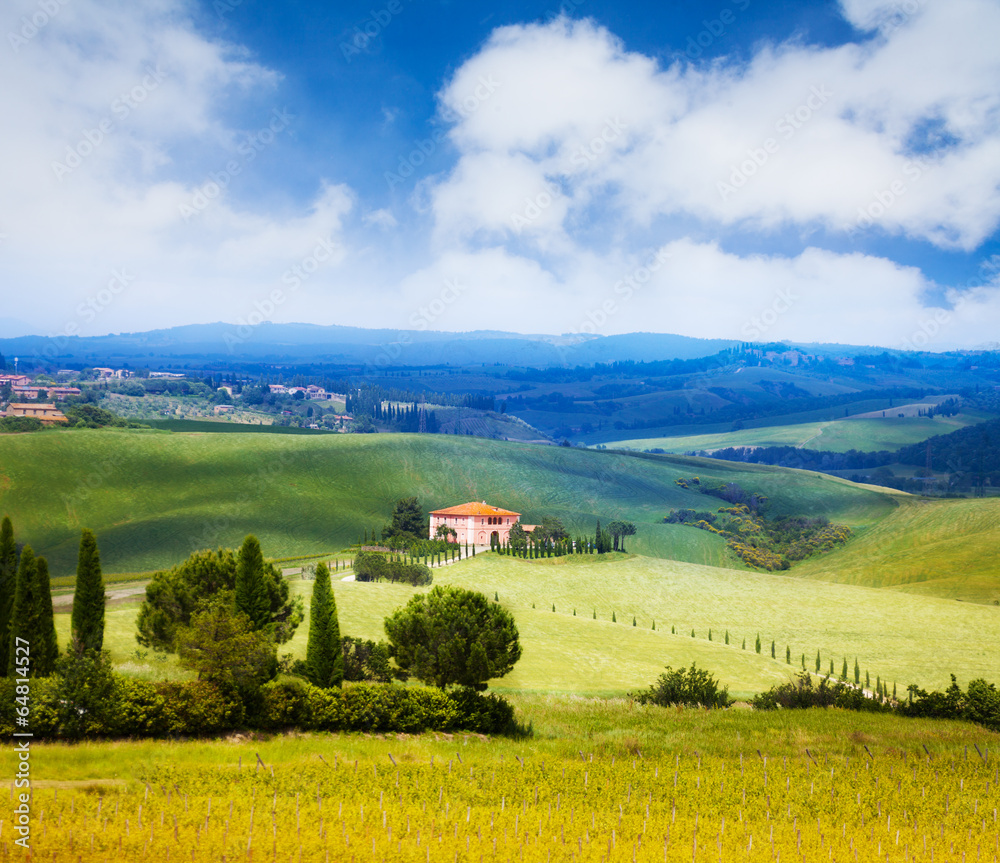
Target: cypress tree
(654, 625)
(23, 623)
(744, 643)
(727, 636)
(553, 606)
(496, 596)
(843, 671)
(772, 650)
(857, 671)
(868, 680)
(831, 668)
(251, 591)
(633, 620)
(709, 634)
(45, 659)
(757, 643)
(595, 614)
(788, 655)
(692, 633)
(87, 625)
(893, 690)
(613, 618)
(8, 583)
(817, 662)
(803, 662)
(324, 652)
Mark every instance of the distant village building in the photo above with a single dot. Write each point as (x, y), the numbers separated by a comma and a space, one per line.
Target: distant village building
(15, 380)
(47, 413)
(58, 393)
(476, 523)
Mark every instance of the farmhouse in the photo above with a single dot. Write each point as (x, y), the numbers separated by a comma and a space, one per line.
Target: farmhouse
(47, 413)
(475, 523)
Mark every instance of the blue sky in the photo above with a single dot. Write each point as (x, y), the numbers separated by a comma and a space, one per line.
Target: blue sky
(739, 169)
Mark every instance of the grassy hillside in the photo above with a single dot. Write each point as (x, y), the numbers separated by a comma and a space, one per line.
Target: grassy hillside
(944, 548)
(153, 497)
(865, 434)
(888, 632)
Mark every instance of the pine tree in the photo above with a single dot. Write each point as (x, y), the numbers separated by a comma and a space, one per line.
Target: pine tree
(8, 583)
(324, 652)
(87, 623)
(251, 591)
(44, 660)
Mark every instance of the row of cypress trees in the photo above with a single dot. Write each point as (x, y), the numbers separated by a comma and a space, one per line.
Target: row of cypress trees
(26, 603)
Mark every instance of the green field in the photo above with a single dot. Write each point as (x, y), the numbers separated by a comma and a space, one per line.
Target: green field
(864, 434)
(884, 597)
(564, 653)
(153, 497)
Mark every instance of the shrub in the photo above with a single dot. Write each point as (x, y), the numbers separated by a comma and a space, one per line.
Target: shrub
(692, 687)
(198, 707)
(282, 704)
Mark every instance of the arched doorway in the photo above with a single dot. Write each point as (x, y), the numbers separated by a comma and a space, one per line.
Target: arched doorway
(495, 537)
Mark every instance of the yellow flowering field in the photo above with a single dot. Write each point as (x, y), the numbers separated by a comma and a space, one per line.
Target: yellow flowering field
(501, 807)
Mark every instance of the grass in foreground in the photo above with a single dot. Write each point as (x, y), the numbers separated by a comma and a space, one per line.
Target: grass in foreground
(600, 781)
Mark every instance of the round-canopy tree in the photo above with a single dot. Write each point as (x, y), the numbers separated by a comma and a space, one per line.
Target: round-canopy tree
(453, 636)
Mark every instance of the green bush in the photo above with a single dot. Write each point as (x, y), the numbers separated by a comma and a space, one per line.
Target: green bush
(140, 708)
(198, 707)
(694, 687)
(282, 704)
(484, 713)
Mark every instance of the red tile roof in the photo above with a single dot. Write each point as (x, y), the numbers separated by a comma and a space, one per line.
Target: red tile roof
(474, 508)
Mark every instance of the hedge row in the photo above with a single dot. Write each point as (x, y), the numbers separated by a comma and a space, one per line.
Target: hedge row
(140, 708)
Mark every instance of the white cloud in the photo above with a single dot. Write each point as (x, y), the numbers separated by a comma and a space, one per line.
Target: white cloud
(121, 118)
(799, 135)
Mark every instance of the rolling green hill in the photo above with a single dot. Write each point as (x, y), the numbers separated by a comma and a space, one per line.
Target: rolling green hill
(153, 497)
(863, 434)
(564, 653)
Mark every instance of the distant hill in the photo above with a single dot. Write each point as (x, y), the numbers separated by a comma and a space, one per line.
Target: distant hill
(379, 347)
